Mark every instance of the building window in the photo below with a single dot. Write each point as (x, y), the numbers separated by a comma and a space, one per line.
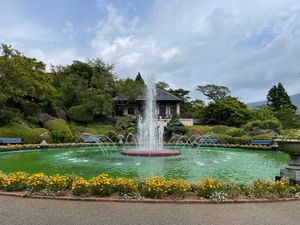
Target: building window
(162, 110)
(130, 111)
(173, 109)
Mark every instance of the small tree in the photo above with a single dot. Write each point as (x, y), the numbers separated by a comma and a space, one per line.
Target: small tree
(139, 79)
(175, 126)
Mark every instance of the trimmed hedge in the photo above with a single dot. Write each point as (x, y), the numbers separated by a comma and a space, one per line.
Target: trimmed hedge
(29, 135)
(262, 137)
(59, 126)
(244, 140)
(80, 114)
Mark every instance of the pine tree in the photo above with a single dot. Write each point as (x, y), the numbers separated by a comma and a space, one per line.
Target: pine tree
(278, 99)
(139, 79)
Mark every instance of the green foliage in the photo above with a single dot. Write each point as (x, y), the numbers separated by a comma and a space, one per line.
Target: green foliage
(288, 118)
(89, 87)
(269, 124)
(126, 125)
(279, 102)
(199, 129)
(80, 114)
(23, 81)
(262, 137)
(214, 92)
(243, 140)
(139, 79)
(291, 134)
(220, 129)
(236, 132)
(229, 111)
(59, 125)
(278, 99)
(162, 85)
(57, 136)
(175, 126)
(98, 128)
(130, 89)
(180, 93)
(28, 134)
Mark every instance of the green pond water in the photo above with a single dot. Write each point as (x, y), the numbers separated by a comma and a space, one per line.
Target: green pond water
(194, 164)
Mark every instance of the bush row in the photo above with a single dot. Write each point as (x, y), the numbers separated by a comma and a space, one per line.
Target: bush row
(153, 187)
(29, 135)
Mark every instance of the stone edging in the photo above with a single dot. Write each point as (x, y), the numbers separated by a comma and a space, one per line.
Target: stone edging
(155, 201)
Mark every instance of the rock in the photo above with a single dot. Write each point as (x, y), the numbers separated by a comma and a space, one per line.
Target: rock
(61, 114)
(44, 117)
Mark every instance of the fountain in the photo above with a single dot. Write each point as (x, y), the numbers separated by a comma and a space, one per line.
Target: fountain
(150, 131)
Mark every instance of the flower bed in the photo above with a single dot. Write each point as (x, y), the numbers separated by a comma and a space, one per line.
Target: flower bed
(156, 187)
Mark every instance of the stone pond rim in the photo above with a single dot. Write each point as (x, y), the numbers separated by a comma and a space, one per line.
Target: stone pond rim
(151, 153)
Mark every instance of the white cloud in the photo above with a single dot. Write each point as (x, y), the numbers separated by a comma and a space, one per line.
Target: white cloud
(246, 45)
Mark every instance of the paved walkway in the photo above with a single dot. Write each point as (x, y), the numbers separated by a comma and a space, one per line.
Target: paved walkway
(24, 211)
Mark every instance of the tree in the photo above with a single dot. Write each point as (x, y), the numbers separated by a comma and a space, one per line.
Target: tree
(130, 89)
(278, 99)
(288, 118)
(162, 85)
(86, 89)
(280, 103)
(229, 111)
(139, 79)
(24, 82)
(175, 126)
(180, 93)
(214, 92)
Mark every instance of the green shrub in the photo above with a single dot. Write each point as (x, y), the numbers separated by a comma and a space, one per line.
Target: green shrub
(199, 129)
(30, 108)
(80, 114)
(236, 132)
(57, 136)
(220, 129)
(175, 126)
(235, 140)
(262, 137)
(263, 124)
(61, 126)
(98, 128)
(28, 134)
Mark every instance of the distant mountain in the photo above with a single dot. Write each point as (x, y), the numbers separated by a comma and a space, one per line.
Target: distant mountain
(295, 100)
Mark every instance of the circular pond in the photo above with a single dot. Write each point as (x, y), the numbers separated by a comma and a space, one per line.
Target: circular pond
(193, 164)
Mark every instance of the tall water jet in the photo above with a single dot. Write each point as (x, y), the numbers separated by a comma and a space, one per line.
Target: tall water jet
(150, 131)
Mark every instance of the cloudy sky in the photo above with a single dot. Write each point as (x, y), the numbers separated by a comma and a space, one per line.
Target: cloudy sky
(246, 45)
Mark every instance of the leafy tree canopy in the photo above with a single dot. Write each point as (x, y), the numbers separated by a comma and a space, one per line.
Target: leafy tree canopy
(214, 92)
(162, 85)
(229, 111)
